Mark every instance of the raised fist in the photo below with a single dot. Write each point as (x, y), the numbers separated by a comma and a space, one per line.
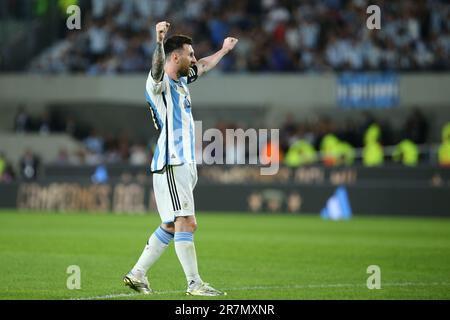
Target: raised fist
(229, 43)
(161, 30)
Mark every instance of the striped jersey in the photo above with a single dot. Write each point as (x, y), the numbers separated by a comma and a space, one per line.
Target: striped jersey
(170, 106)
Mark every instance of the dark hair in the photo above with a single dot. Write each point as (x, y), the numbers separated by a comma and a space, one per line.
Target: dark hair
(176, 42)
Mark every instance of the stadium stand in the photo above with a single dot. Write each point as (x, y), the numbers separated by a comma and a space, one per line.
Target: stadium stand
(359, 107)
(275, 36)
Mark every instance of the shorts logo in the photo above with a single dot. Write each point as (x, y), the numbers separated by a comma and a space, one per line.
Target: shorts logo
(185, 205)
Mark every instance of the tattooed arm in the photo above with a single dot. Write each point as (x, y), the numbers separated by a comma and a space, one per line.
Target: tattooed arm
(158, 54)
(158, 62)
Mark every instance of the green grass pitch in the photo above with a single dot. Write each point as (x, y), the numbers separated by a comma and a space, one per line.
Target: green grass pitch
(250, 256)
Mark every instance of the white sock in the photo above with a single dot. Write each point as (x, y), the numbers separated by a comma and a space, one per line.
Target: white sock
(185, 249)
(156, 244)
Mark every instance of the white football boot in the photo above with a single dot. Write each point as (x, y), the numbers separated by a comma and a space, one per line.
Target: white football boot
(203, 289)
(139, 284)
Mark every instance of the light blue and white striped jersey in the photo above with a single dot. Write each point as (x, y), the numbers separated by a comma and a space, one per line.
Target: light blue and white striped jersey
(170, 105)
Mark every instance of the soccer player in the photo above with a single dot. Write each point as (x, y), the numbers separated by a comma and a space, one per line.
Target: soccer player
(174, 66)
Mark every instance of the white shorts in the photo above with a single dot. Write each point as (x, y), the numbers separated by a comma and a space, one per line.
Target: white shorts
(174, 191)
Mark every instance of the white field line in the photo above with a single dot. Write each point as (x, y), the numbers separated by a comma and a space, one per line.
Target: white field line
(295, 286)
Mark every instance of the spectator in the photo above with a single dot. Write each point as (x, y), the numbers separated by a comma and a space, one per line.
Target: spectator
(6, 171)
(22, 121)
(94, 142)
(44, 124)
(98, 35)
(29, 165)
(63, 157)
(416, 127)
(138, 155)
(2, 163)
(444, 148)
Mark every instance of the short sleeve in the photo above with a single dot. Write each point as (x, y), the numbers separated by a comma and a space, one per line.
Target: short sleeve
(193, 74)
(155, 87)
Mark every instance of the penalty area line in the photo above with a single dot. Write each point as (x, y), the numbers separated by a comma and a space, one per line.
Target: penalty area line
(294, 286)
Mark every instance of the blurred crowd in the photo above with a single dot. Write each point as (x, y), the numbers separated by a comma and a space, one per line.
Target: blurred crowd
(96, 147)
(370, 142)
(117, 36)
(415, 127)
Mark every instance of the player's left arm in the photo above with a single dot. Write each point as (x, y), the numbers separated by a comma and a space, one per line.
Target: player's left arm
(207, 63)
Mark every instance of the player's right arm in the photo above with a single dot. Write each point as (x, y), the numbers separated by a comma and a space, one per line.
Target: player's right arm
(158, 58)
